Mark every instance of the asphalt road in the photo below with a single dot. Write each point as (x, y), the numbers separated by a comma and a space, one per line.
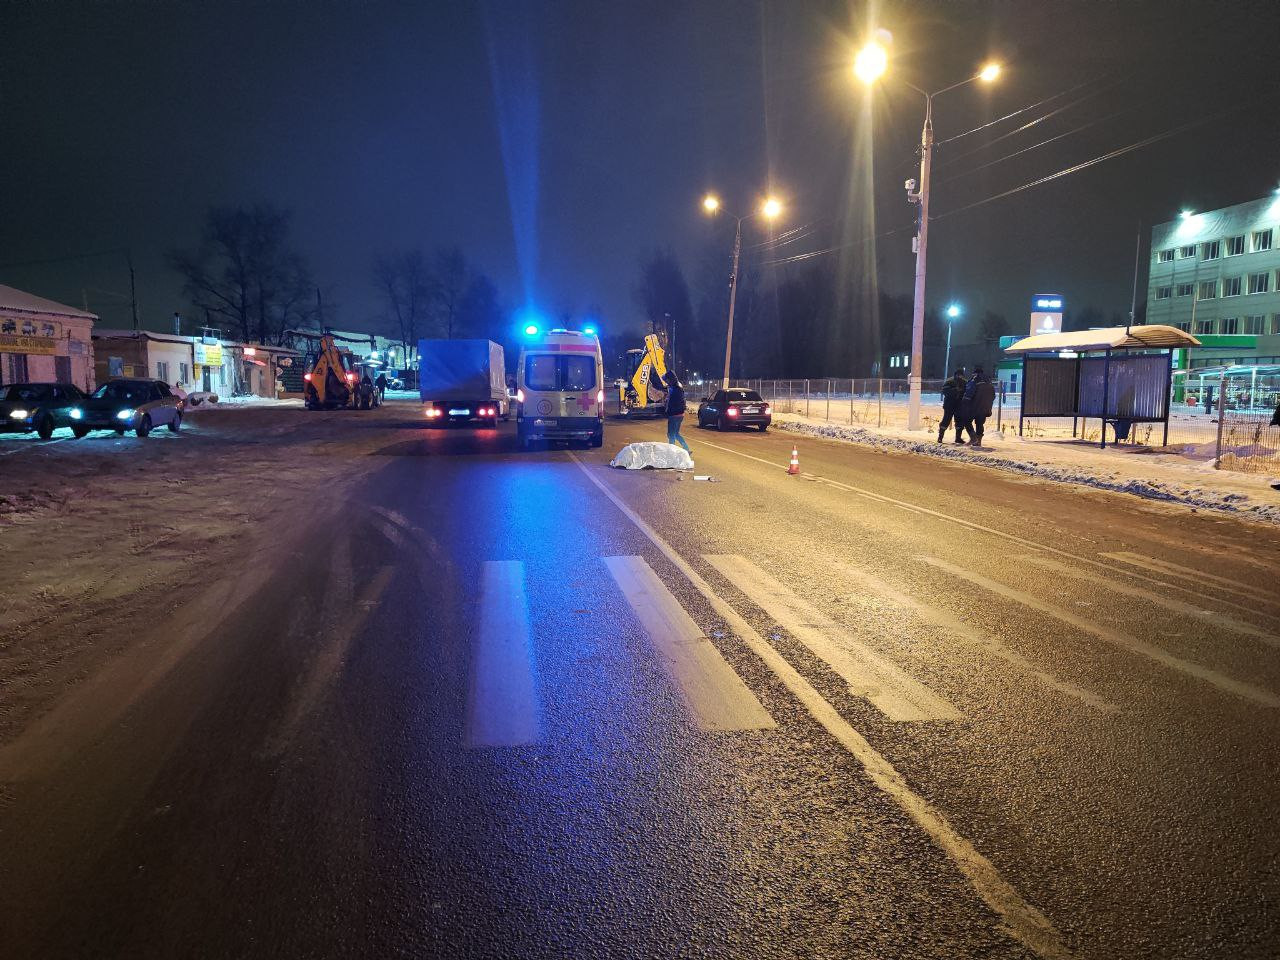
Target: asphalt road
(486, 703)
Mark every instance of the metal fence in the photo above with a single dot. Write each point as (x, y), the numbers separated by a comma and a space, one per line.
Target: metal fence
(1245, 442)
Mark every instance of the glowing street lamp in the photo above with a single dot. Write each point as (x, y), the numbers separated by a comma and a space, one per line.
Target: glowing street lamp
(869, 65)
(770, 210)
(953, 314)
(871, 62)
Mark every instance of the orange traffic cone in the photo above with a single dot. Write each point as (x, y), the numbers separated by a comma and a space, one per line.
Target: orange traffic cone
(794, 469)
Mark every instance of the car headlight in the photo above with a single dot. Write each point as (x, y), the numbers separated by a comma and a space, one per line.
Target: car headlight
(18, 415)
(124, 415)
(76, 413)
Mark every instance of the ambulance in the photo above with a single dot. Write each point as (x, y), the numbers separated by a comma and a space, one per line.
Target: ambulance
(560, 388)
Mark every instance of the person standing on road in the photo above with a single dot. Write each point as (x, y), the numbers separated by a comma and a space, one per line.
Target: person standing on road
(981, 395)
(952, 391)
(675, 410)
(381, 384)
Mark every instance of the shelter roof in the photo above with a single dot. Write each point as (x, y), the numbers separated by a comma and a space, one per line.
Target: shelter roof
(1138, 337)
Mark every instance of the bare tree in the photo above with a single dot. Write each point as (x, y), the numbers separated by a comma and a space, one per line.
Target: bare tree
(244, 272)
(452, 277)
(405, 285)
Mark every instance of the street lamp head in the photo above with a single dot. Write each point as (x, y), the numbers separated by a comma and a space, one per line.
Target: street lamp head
(989, 73)
(870, 62)
(711, 203)
(771, 208)
(953, 311)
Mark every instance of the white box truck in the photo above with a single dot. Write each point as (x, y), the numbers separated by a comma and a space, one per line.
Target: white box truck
(462, 380)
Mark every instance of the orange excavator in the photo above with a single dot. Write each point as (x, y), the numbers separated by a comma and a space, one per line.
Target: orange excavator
(329, 384)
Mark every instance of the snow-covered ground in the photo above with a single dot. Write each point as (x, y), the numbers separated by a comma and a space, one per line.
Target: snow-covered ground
(1186, 476)
(238, 403)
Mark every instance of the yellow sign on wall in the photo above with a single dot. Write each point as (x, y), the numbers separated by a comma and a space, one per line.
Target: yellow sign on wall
(10, 343)
(209, 354)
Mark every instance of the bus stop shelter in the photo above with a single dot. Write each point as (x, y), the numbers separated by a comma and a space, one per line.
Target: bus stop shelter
(1119, 375)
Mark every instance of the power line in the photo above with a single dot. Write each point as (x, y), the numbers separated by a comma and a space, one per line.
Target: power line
(1010, 116)
(66, 259)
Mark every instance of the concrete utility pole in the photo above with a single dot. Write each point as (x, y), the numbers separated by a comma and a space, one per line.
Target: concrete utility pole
(733, 297)
(922, 248)
(133, 291)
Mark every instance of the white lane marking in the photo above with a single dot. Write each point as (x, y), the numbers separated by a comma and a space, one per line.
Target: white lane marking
(1114, 637)
(1169, 603)
(1022, 920)
(716, 696)
(1187, 573)
(925, 511)
(969, 633)
(870, 676)
(502, 701)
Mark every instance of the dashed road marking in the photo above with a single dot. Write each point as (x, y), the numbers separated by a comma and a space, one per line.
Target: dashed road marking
(502, 700)
(1167, 568)
(716, 696)
(956, 627)
(869, 676)
(1022, 920)
(1114, 637)
(1169, 603)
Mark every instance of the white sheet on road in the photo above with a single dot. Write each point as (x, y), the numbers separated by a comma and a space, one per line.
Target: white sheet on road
(652, 455)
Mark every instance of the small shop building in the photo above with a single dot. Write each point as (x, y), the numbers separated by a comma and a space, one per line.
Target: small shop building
(44, 341)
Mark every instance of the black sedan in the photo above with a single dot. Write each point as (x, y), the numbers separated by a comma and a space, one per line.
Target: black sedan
(726, 409)
(42, 407)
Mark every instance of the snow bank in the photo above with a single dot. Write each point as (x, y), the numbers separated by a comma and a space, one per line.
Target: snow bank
(1141, 471)
(215, 402)
(652, 456)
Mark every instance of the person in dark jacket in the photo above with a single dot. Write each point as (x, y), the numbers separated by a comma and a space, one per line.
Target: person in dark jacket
(675, 410)
(952, 392)
(381, 384)
(979, 395)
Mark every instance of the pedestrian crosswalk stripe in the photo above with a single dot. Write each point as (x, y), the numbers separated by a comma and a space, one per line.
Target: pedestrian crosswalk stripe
(975, 636)
(502, 699)
(1021, 918)
(870, 676)
(1114, 637)
(1169, 603)
(1200, 577)
(716, 696)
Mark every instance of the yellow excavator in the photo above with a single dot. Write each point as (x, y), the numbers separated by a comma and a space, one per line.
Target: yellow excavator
(329, 384)
(645, 394)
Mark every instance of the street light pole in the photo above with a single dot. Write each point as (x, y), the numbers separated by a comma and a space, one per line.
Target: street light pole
(869, 65)
(733, 298)
(953, 311)
(922, 247)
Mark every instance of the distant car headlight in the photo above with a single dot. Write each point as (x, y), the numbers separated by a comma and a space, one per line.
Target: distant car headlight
(124, 415)
(18, 415)
(76, 413)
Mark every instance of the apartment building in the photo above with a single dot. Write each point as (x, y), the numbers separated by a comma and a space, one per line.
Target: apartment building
(1216, 274)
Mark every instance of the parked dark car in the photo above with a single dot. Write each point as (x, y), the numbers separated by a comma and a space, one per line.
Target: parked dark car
(727, 409)
(42, 407)
(137, 405)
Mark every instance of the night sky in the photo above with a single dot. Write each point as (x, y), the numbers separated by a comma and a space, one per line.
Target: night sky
(557, 142)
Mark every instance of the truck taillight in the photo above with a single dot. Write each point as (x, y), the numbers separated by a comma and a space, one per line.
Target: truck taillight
(306, 377)
(519, 396)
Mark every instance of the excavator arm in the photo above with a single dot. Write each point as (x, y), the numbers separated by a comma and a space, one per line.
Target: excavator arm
(328, 383)
(654, 362)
